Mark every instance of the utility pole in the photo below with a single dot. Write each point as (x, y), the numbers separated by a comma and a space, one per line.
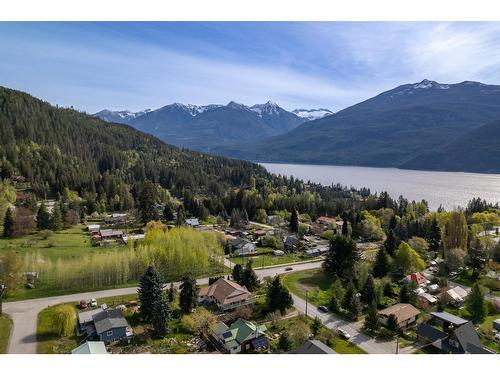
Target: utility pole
(306, 303)
(2, 289)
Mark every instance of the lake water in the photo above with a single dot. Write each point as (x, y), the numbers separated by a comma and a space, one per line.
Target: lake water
(451, 189)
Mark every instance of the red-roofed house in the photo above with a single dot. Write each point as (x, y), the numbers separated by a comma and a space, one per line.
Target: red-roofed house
(416, 277)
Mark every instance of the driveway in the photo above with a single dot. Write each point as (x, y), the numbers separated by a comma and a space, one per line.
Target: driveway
(24, 314)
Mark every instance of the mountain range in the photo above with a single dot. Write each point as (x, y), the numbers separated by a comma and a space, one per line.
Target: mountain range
(425, 125)
(204, 127)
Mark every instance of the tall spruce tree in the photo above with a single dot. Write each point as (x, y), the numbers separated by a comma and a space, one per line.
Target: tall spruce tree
(278, 297)
(342, 258)
(351, 302)
(8, 223)
(147, 200)
(368, 294)
(56, 220)
(237, 273)
(249, 277)
(434, 237)
(294, 221)
(476, 304)
(188, 294)
(42, 218)
(371, 320)
(151, 295)
(168, 213)
(181, 216)
(390, 243)
(381, 267)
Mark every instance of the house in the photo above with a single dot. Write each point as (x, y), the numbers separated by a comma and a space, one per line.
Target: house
(328, 221)
(85, 320)
(278, 253)
(111, 326)
(291, 243)
(93, 228)
(91, 347)
(259, 233)
(226, 294)
(107, 234)
(313, 347)
(496, 324)
(115, 218)
(451, 334)
(242, 246)
(133, 237)
(241, 336)
(426, 300)
(416, 277)
(455, 296)
(405, 314)
(433, 288)
(193, 222)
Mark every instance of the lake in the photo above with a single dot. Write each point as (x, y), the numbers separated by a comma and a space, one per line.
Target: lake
(451, 189)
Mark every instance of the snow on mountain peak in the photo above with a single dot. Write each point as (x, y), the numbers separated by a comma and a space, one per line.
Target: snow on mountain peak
(427, 84)
(312, 114)
(270, 108)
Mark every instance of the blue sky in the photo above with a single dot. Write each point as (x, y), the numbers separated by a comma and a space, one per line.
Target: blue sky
(298, 65)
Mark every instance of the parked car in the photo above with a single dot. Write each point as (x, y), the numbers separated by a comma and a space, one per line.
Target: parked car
(288, 268)
(323, 308)
(344, 334)
(83, 304)
(93, 302)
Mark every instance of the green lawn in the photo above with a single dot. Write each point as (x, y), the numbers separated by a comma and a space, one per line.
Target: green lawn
(270, 260)
(315, 282)
(68, 243)
(5, 327)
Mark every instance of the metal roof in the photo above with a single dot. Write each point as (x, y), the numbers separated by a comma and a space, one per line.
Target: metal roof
(449, 318)
(91, 347)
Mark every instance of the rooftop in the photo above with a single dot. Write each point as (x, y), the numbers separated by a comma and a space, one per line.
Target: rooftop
(449, 318)
(109, 319)
(91, 347)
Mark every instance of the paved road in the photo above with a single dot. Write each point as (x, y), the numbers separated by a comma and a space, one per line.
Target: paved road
(365, 342)
(24, 314)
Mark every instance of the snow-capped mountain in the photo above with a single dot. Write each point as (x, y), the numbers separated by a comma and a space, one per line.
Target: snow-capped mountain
(312, 114)
(120, 116)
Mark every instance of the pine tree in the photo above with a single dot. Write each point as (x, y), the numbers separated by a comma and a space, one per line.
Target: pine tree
(171, 293)
(392, 323)
(345, 227)
(249, 277)
(476, 305)
(351, 302)
(477, 258)
(407, 293)
(181, 216)
(147, 200)
(160, 316)
(342, 258)
(237, 273)
(8, 223)
(150, 291)
(42, 218)
(368, 291)
(334, 304)
(434, 236)
(168, 213)
(390, 243)
(371, 320)
(56, 220)
(294, 221)
(381, 267)
(188, 295)
(316, 326)
(278, 297)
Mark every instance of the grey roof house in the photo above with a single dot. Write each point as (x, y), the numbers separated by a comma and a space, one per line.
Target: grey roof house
(313, 347)
(110, 325)
(451, 334)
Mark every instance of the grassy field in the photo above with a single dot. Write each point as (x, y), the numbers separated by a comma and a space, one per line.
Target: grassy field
(315, 282)
(270, 260)
(5, 327)
(69, 243)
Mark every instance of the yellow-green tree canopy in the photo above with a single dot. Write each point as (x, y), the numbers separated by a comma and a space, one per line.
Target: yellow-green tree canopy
(65, 320)
(408, 259)
(455, 231)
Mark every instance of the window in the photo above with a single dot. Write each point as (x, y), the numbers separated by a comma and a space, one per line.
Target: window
(109, 333)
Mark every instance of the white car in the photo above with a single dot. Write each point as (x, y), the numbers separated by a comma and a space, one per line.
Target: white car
(93, 302)
(343, 333)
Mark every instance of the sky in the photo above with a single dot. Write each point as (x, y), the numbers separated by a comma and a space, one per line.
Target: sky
(134, 66)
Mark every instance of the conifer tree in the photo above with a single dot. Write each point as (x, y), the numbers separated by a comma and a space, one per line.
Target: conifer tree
(284, 343)
(294, 221)
(368, 291)
(278, 297)
(237, 273)
(249, 277)
(381, 267)
(476, 305)
(371, 320)
(181, 216)
(351, 302)
(42, 218)
(150, 291)
(390, 243)
(56, 220)
(188, 294)
(168, 213)
(8, 223)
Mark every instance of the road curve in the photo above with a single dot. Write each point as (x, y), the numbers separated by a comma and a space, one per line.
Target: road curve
(24, 314)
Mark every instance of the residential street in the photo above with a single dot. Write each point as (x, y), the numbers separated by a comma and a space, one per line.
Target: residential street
(24, 313)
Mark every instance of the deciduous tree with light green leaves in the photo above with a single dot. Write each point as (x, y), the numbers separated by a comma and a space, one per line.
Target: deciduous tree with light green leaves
(65, 320)
(408, 259)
